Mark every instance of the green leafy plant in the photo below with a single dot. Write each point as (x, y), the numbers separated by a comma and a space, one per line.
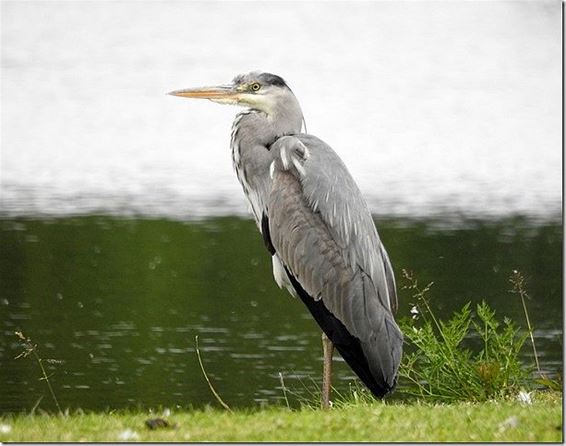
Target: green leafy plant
(441, 367)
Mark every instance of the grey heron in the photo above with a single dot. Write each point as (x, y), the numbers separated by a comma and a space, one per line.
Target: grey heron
(316, 225)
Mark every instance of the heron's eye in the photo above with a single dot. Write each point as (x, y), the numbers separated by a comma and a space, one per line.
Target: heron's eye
(255, 86)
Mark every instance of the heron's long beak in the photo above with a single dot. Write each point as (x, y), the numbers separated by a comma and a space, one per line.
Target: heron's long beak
(220, 93)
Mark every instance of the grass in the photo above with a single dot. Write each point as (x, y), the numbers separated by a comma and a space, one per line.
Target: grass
(505, 420)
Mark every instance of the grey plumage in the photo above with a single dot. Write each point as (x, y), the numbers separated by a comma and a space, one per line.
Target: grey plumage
(316, 225)
(314, 237)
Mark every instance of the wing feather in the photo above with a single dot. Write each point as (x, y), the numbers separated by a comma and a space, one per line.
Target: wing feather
(317, 247)
(329, 190)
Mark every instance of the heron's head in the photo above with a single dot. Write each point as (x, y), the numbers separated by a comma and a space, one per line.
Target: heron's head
(265, 92)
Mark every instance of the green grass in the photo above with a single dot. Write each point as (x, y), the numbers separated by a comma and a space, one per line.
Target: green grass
(506, 420)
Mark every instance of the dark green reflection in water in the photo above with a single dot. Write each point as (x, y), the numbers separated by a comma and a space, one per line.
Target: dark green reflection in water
(120, 302)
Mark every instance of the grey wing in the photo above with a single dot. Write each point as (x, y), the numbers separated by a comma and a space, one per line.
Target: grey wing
(390, 279)
(322, 232)
(329, 190)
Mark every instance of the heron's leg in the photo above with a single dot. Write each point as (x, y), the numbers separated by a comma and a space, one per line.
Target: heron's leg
(327, 350)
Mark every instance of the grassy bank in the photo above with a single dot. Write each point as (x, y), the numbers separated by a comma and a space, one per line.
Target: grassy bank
(377, 421)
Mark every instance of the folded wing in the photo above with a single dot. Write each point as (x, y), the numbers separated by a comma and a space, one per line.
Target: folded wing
(322, 233)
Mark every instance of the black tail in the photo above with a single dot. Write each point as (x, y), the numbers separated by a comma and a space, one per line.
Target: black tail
(347, 344)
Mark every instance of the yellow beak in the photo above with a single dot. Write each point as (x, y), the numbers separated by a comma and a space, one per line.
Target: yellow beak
(226, 92)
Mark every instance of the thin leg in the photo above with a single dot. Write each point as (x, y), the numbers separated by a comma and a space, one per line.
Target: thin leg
(327, 350)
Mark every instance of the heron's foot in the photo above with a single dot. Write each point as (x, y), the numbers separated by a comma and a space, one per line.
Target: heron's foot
(327, 350)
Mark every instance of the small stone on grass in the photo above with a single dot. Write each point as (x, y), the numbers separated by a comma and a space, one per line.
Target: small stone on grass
(157, 423)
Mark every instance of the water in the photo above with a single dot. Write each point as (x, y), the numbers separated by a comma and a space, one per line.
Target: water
(436, 108)
(124, 232)
(120, 301)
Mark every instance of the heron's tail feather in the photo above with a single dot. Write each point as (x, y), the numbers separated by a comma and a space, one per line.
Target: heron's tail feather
(383, 352)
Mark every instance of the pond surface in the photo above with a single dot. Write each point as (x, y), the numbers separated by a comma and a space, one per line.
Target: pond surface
(119, 301)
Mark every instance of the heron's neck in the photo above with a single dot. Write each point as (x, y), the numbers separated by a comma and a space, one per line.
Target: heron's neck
(253, 133)
(285, 117)
(274, 120)
(254, 128)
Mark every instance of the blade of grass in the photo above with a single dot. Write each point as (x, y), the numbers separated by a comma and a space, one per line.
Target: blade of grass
(284, 390)
(220, 400)
(518, 280)
(31, 349)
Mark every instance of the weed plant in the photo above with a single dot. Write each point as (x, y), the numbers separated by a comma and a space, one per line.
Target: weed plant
(441, 368)
(31, 349)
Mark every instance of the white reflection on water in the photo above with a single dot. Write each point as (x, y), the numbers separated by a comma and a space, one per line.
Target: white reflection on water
(447, 107)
